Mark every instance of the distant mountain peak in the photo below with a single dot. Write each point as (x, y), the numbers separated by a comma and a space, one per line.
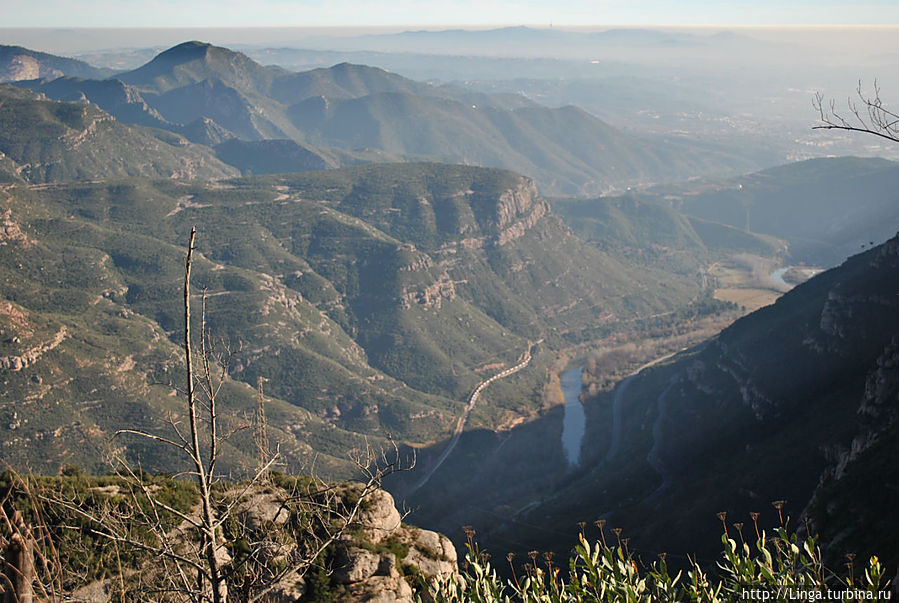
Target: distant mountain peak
(356, 67)
(194, 61)
(185, 52)
(190, 44)
(193, 47)
(344, 66)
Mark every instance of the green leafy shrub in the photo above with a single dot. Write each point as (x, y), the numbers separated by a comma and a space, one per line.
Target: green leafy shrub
(778, 567)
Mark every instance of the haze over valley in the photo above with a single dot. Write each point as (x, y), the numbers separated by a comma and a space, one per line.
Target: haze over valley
(607, 275)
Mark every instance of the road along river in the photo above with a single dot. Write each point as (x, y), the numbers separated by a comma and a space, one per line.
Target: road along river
(460, 424)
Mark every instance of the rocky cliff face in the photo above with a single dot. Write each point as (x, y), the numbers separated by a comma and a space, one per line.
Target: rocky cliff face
(856, 467)
(24, 67)
(518, 210)
(431, 295)
(22, 337)
(429, 285)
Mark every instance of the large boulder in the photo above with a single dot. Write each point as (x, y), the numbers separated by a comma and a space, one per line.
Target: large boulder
(379, 518)
(378, 564)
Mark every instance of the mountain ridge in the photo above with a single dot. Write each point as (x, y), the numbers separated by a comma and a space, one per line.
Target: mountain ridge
(47, 141)
(566, 149)
(826, 208)
(18, 63)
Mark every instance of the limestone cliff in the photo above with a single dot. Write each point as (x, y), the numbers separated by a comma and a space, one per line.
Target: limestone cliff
(518, 210)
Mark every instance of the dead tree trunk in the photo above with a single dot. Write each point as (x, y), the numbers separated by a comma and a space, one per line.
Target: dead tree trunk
(19, 571)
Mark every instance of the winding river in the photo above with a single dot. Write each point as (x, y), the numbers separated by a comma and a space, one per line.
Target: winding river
(574, 421)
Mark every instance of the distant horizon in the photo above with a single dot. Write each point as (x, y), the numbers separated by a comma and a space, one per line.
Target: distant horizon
(438, 27)
(446, 13)
(84, 39)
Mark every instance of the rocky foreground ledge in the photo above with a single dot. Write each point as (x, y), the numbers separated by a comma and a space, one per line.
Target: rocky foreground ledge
(379, 559)
(376, 567)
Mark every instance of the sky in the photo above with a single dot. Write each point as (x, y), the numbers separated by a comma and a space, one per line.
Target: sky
(243, 13)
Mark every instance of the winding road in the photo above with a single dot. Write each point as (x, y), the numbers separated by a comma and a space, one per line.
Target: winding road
(617, 409)
(460, 423)
(654, 458)
(618, 402)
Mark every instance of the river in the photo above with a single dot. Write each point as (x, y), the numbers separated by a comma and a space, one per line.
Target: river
(574, 421)
(778, 276)
(806, 272)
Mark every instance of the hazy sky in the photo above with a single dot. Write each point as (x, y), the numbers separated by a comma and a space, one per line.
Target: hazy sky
(225, 13)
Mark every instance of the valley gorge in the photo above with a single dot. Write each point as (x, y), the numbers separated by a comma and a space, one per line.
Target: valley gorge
(552, 325)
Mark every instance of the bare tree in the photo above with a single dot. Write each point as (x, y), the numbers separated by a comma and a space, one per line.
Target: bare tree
(260, 427)
(210, 572)
(865, 114)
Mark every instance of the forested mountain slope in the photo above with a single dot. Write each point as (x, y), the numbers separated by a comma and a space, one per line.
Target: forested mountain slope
(370, 298)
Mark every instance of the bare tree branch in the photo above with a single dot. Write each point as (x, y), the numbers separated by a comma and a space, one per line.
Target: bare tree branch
(869, 117)
(155, 437)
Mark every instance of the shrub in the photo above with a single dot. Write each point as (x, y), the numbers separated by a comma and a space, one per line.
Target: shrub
(779, 567)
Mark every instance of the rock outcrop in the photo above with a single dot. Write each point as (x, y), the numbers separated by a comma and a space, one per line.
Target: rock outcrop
(518, 210)
(375, 567)
(11, 231)
(379, 559)
(431, 295)
(30, 356)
